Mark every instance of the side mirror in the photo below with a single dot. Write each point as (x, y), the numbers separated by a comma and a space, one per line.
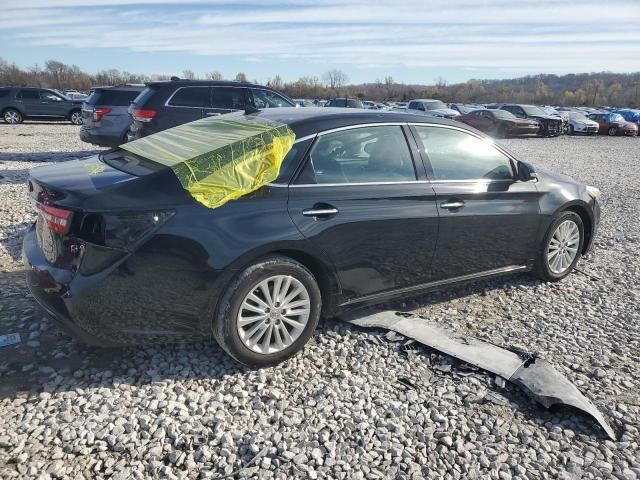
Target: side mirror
(526, 172)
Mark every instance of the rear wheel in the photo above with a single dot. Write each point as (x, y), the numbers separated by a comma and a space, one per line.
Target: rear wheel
(75, 117)
(561, 247)
(269, 312)
(12, 116)
(571, 130)
(612, 132)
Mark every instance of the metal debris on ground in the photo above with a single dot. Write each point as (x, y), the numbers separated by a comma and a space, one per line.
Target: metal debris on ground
(9, 339)
(533, 374)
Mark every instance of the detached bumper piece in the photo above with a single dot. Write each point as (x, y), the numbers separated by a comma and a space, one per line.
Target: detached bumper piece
(533, 374)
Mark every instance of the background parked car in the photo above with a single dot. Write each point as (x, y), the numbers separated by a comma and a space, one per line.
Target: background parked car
(345, 103)
(464, 109)
(578, 123)
(561, 115)
(550, 126)
(105, 115)
(629, 115)
(75, 95)
(169, 103)
(499, 123)
(20, 103)
(613, 124)
(432, 108)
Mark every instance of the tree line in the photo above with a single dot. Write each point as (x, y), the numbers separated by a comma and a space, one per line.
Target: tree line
(594, 89)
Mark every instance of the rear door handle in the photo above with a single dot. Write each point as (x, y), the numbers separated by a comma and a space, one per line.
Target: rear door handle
(320, 211)
(453, 205)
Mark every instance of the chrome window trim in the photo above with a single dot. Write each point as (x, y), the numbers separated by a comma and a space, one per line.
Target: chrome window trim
(166, 104)
(359, 184)
(422, 124)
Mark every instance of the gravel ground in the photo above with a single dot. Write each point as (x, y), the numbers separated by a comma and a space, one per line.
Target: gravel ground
(352, 405)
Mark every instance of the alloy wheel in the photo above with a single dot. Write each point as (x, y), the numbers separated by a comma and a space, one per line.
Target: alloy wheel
(563, 247)
(273, 314)
(76, 118)
(12, 117)
(613, 131)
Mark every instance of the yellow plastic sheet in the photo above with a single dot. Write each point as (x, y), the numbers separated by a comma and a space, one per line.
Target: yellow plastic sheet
(222, 158)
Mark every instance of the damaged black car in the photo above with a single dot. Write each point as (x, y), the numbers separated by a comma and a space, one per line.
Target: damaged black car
(250, 227)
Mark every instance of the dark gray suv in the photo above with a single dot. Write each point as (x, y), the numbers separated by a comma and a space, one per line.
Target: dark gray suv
(105, 117)
(20, 103)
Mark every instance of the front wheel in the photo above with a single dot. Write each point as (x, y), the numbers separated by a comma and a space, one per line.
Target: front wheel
(613, 131)
(571, 130)
(269, 312)
(561, 247)
(76, 117)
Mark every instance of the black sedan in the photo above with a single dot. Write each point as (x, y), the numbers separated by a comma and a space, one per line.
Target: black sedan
(367, 206)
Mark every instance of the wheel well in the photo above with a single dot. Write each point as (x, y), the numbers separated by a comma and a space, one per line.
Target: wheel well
(588, 224)
(326, 281)
(11, 108)
(73, 110)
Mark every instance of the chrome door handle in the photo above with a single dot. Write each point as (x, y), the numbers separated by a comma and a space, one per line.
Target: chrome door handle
(319, 212)
(452, 205)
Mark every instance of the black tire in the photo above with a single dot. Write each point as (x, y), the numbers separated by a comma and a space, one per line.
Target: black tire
(543, 131)
(75, 117)
(500, 132)
(12, 116)
(542, 269)
(225, 329)
(612, 132)
(571, 130)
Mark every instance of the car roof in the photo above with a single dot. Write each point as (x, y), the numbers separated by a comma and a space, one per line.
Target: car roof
(203, 83)
(131, 86)
(308, 121)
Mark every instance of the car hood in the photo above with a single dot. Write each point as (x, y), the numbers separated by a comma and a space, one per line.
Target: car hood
(548, 175)
(546, 117)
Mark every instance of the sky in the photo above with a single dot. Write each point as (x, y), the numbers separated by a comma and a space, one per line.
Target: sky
(413, 41)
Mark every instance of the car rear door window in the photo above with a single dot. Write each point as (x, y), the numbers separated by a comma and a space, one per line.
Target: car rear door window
(29, 95)
(360, 155)
(457, 155)
(199, 97)
(116, 98)
(228, 98)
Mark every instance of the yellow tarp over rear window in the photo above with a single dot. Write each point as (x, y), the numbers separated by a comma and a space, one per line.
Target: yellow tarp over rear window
(222, 158)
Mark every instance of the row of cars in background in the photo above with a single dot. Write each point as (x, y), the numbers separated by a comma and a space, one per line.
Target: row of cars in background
(113, 115)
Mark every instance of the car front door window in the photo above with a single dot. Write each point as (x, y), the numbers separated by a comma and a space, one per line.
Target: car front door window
(457, 155)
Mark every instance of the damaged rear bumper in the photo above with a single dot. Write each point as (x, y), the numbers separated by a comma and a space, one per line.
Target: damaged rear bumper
(533, 374)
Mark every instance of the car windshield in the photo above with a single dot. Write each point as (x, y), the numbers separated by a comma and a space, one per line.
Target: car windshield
(434, 105)
(551, 111)
(578, 117)
(503, 114)
(616, 117)
(531, 110)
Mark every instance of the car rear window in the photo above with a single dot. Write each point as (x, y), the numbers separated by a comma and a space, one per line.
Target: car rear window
(116, 98)
(144, 96)
(191, 97)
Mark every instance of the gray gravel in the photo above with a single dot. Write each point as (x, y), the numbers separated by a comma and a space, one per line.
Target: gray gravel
(353, 404)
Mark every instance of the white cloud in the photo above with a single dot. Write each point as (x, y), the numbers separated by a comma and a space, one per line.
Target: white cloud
(467, 34)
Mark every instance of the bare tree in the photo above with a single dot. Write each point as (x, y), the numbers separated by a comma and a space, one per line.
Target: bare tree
(276, 82)
(188, 74)
(215, 75)
(335, 78)
(241, 77)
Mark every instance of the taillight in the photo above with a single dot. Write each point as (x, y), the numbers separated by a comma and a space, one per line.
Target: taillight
(58, 219)
(100, 112)
(143, 115)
